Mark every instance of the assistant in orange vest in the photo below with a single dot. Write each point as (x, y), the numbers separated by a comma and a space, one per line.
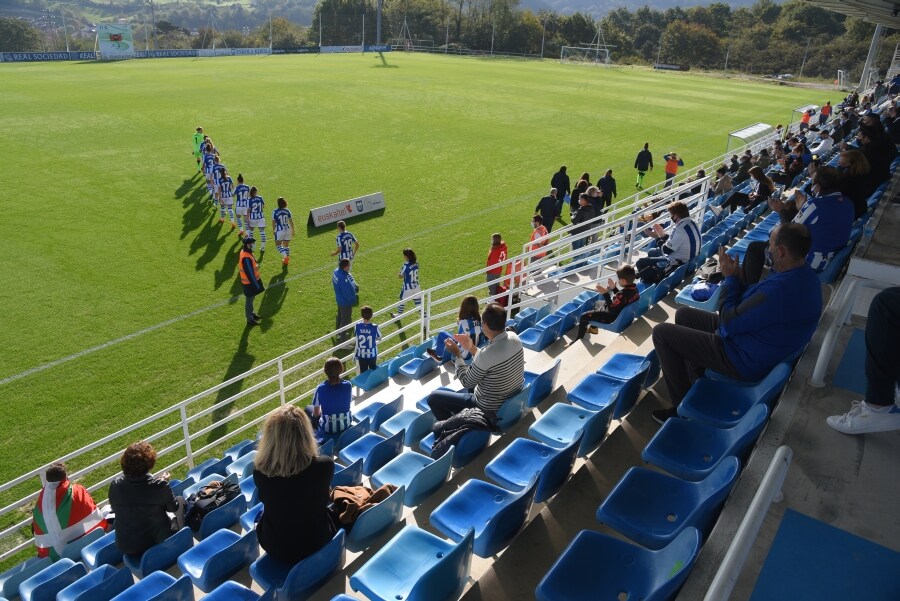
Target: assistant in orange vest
(540, 231)
(672, 165)
(250, 279)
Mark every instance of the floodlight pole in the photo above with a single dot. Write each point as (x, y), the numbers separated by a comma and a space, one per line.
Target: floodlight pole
(447, 38)
(153, 18)
(543, 31)
(803, 62)
(659, 50)
(320, 30)
(725, 70)
(364, 33)
(65, 31)
(378, 22)
(870, 58)
(493, 30)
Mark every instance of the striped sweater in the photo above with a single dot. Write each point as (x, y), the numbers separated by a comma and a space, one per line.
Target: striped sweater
(497, 373)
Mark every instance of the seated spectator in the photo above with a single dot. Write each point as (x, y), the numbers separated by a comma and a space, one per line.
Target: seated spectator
(496, 373)
(743, 172)
(694, 190)
(792, 165)
(723, 181)
(893, 124)
(294, 484)
(670, 250)
(880, 151)
(878, 412)
(753, 331)
(823, 143)
(64, 512)
(764, 159)
(763, 188)
(468, 322)
(329, 412)
(733, 164)
(857, 182)
(142, 503)
(625, 291)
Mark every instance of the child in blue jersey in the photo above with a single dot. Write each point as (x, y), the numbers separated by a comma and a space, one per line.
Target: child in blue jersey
(346, 244)
(242, 205)
(367, 336)
(468, 322)
(409, 273)
(226, 193)
(283, 224)
(330, 407)
(256, 217)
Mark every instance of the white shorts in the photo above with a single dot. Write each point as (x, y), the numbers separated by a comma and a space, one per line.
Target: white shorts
(242, 211)
(228, 201)
(405, 294)
(260, 223)
(283, 235)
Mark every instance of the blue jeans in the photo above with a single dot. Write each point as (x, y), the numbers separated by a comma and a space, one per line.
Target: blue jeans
(445, 403)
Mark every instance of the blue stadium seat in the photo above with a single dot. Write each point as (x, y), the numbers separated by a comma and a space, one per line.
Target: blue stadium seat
(541, 384)
(249, 517)
(684, 298)
(642, 305)
(418, 367)
(622, 321)
(209, 467)
(524, 320)
(299, 581)
(351, 434)
(596, 566)
(393, 366)
(595, 391)
(242, 467)
(662, 290)
(11, 578)
(724, 404)
(326, 448)
(102, 551)
(73, 549)
(469, 446)
(240, 449)
(563, 423)
(414, 423)
(158, 586)
(630, 369)
(542, 334)
(232, 591)
(219, 557)
(197, 486)
(835, 266)
(652, 508)
(512, 409)
(161, 556)
(421, 475)
(376, 520)
(372, 378)
(569, 314)
(348, 476)
(248, 489)
(378, 411)
(44, 585)
(101, 584)
(692, 450)
(374, 450)
(524, 459)
(416, 566)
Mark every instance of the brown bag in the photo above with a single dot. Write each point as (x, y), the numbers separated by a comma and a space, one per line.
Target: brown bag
(350, 501)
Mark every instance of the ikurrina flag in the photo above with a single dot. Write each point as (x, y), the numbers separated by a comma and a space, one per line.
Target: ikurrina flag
(64, 512)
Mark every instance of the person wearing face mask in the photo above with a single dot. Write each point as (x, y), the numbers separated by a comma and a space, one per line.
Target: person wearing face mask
(537, 234)
(857, 183)
(673, 249)
(752, 332)
(546, 208)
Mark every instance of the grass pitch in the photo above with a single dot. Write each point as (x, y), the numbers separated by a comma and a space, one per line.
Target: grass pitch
(114, 256)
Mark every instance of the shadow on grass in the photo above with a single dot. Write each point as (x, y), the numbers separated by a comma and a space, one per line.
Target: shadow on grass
(331, 228)
(196, 211)
(384, 64)
(212, 239)
(273, 299)
(241, 362)
(229, 264)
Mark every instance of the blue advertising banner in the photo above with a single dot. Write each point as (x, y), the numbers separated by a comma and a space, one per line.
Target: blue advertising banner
(378, 48)
(301, 50)
(165, 54)
(29, 57)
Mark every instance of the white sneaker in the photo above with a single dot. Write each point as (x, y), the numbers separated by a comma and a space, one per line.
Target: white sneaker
(861, 419)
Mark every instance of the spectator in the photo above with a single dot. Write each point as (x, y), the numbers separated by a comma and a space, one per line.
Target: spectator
(580, 188)
(694, 190)
(584, 213)
(743, 172)
(329, 411)
(879, 150)
(825, 113)
(546, 208)
(560, 181)
(723, 181)
(823, 143)
(345, 294)
(468, 322)
(496, 373)
(496, 257)
(880, 89)
(753, 331)
(643, 163)
(607, 185)
(64, 512)
(367, 335)
(673, 162)
(294, 484)
(792, 165)
(596, 198)
(586, 177)
(764, 159)
(671, 250)
(878, 412)
(733, 164)
(538, 237)
(763, 188)
(804, 120)
(142, 502)
(857, 182)
(893, 124)
(625, 292)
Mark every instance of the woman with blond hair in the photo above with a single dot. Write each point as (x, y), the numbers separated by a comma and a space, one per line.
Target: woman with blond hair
(294, 484)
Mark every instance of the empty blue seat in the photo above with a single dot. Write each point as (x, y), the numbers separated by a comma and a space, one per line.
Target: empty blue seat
(661, 291)
(414, 423)
(632, 382)
(161, 556)
(239, 449)
(416, 566)
(622, 321)
(569, 314)
(420, 475)
(326, 448)
(595, 391)
(249, 517)
(351, 434)
(524, 459)
(44, 585)
(73, 549)
(232, 591)
(724, 404)
(101, 584)
(242, 467)
(563, 423)
(652, 508)
(209, 467)
(542, 334)
(248, 489)
(348, 476)
(512, 409)
(596, 566)
(541, 384)
(11, 578)
(376, 520)
(378, 411)
(299, 581)
(219, 557)
(467, 448)
(158, 586)
(692, 450)
(418, 367)
(642, 305)
(372, 378)
(374, 450)
(102, 551)
(393, 366)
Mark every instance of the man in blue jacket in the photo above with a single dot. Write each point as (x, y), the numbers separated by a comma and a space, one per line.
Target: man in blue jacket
(757, 326)
(345, 293)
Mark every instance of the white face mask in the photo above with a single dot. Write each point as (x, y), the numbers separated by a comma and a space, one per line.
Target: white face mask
(533, 224)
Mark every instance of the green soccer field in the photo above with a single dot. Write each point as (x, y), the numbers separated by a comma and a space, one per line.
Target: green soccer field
(120, 284)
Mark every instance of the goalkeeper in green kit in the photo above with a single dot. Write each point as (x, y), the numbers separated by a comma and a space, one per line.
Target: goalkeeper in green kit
(198, 141)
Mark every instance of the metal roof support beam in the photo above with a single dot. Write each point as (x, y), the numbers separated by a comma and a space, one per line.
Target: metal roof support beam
(870, 59)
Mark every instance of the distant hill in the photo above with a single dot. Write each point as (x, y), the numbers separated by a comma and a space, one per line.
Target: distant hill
(599, 8)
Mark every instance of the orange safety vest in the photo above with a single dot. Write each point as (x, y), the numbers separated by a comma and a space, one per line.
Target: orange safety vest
(245, 279)
(672, 166)
(805, 117)
(514, 275)
(826, 110)
(539, 232)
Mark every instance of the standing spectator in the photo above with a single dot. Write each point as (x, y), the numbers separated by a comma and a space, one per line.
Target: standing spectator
(250, 279)
(345, 293)
(878, 412)
(607, 185)
(825, 113)
(537, 234)
(560, 181)
(673, 162)
(409, 273)
(643, 162)
(64, 512)
(367, 336)
(857, 183)
(625, 292)
(496, 257)
(347, 245)
(329, 411)
(142, 502)
(584, 213)
(546, 208)
(294, 484)
(753, 331)
(673, 249)
(595, 195)
(580, 188)
(804, 120)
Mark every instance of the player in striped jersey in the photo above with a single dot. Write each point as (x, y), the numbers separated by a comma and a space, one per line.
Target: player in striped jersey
(226, 192)
(208, 162)
(367, 336)
(218, 172)
(257, 217)
(283, 224)
(346, 244)
(242, 205)
(409, 273)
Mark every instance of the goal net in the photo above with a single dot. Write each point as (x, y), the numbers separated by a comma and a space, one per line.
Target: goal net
(584, 55)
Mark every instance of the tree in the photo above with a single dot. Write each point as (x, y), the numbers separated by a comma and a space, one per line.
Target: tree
(18, 35)
(691, 44)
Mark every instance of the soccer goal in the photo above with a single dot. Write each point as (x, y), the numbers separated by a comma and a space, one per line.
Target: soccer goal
(579, 55)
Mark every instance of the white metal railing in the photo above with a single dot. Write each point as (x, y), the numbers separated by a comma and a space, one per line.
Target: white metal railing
(193, 428)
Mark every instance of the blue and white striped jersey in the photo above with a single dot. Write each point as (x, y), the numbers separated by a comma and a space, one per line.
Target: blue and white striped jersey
(410, 273)
(218, 173)
(345, 241)
(227, 187)
(282, 219)
(367, 337)
(256, 207)
(242, 192)
(208, 161)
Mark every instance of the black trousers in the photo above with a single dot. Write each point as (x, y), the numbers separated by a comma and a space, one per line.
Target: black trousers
(882, 351)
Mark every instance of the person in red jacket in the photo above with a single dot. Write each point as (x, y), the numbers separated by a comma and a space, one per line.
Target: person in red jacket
(64, 512)
(496, 256)
(625, 292)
